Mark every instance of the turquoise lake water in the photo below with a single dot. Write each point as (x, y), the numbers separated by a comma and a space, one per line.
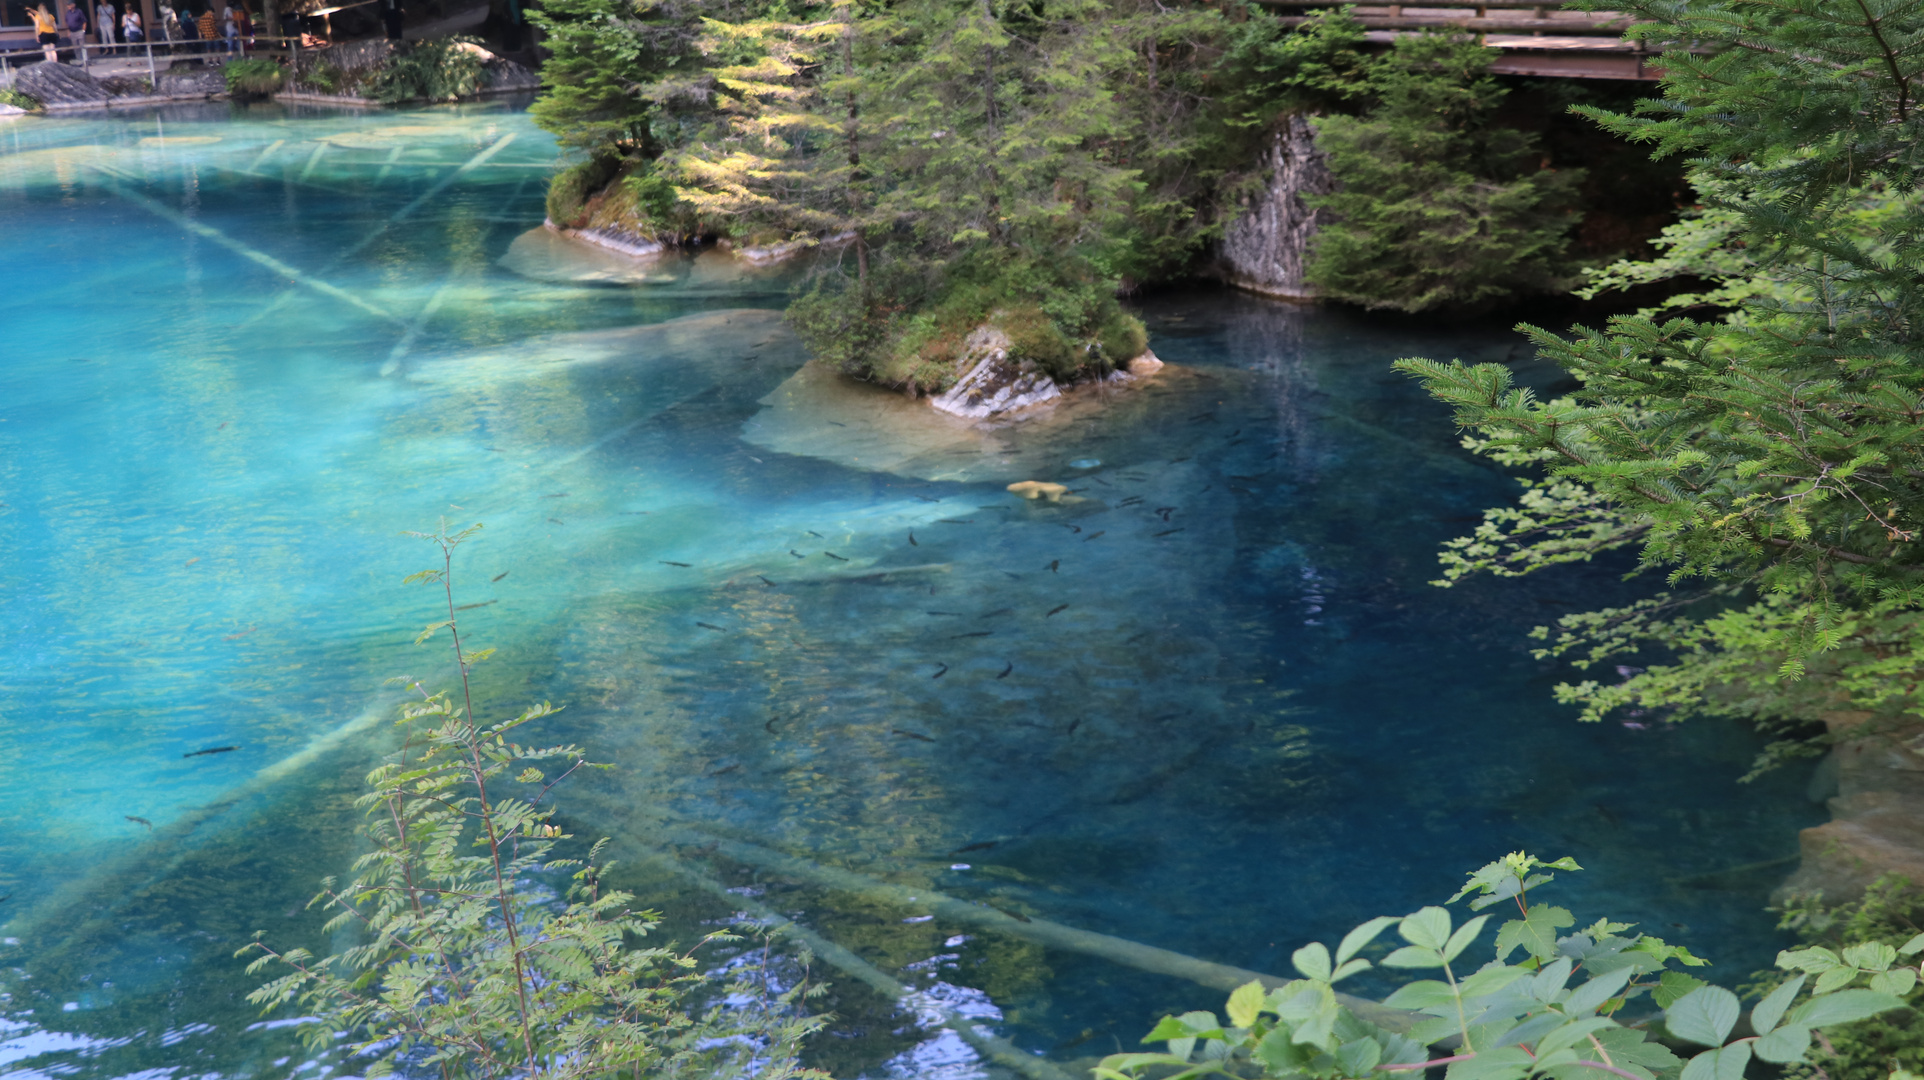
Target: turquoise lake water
(245, 348)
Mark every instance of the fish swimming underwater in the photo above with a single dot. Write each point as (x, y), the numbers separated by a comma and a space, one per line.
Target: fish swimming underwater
(212, 750)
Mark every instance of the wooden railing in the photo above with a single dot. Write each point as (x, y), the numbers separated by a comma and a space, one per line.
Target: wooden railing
(1537, 38)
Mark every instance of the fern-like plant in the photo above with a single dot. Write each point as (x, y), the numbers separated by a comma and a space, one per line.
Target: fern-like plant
(467, 966)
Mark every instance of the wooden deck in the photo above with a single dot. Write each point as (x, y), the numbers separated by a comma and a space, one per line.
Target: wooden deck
(1536, 38)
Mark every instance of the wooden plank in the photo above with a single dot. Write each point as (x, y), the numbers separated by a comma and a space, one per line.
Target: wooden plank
(1574, 64)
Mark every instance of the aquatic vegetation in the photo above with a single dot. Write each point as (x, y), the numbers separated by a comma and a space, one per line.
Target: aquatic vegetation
(467, 966)
(254, 77)
(1509, 1021)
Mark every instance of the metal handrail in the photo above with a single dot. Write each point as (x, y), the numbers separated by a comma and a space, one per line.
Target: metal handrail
(291, 46)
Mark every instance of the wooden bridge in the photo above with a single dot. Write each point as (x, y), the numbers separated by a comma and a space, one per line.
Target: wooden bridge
(1536, 38)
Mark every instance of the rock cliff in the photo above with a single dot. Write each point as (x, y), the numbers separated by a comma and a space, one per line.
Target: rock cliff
(1266, 248)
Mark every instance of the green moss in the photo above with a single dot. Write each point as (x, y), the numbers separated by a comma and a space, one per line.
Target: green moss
(570, 188)
(254, 77)
(1123, 337)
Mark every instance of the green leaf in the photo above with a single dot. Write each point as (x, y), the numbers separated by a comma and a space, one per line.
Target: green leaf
(1912, 947)
(1535, 933)
(1763, 1018)
(1784, 1045)
(1835, 979)
(1246, 1003)
(1490, 980)
(1503, 1063)
(1428, 928)
(1870, 956)
(1359, 1057)
(1814, 959)
(1672, 985)
(1568, 1035)
(1422, 994)
(1313, 961)
(1725, 1064)
(1896, 983)
(1279, 1054)
(1843, 1007)
(1705, 1015)
(1591, 995)
(1565, 863)
(1354, 941)
(1351, 968)
(1463, 937)
(1413, 956)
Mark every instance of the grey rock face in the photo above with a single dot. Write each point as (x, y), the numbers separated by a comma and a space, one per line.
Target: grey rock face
(1265, 249)
(506, 75)
(205, 82)
(992, 384)
(60, 84)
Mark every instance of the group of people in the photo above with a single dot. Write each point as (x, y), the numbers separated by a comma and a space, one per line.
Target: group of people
(233, 27)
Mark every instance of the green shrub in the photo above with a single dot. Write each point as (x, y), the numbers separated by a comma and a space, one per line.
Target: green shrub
(10, 96)
(324, 77)
(1890, 914)
(467, 967)
(254, 77)
(439, 70)
(569, 189)
(1123, 338)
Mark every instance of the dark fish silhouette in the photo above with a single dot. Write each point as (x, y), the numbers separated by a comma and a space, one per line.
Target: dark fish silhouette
(212, 750)
(910, 734)
(815, 534)
(729, 769)
(978, 633)
(683, 565)
(1053, 610)
(838, 423)
(1006, 670)
(834, 556)
(1093, 535)
(939, 674)
(484, 603)
(1169, 532)
(223, 425)
(912, 542)
(130, 817)
(558, 495)
(557, 521)
(766, 582)
(1177, 461)
(997, 611)
(499, 576)
(710, 626)
(979, 845)
(953, 521)
(925, 498)
(1072, 528)
(1016, 915)
(1053, 563)
(494, 450)
(797, 554)
(770, 726)
(1074, 725)
(954, 614)
(1130, 501)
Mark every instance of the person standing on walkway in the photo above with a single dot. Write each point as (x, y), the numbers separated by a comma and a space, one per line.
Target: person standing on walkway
(47, 32)
(131, 31)
(207, 27)
(105, 19)
(393, 18)
(77, 30)
(230, 28)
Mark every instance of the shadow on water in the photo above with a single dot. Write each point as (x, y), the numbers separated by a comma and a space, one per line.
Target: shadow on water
(1207, 703)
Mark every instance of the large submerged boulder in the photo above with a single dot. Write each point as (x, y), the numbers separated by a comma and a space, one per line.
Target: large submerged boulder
(992, 383)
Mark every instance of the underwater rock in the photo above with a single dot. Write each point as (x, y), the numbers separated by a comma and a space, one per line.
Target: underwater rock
(551, 254)
(1039, 489)
(1877, 823)
(1145, 365)
(994, 384)
(60, 86)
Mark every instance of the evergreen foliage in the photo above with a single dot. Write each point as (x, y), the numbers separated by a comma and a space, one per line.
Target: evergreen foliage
(1771, 460)
(439, 70)
(1436, 204)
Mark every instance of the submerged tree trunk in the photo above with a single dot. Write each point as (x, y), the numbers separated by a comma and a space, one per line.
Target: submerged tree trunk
(1266, 249)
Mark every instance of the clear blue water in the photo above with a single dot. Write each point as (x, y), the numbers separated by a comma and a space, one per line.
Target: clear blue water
(245, 348)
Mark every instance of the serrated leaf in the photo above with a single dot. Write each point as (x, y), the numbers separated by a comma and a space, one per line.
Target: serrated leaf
(1490, 980)
(1672, 985)
(1565, 863)
(1313, 961)
(1421, 994)
(1591, 995)
(1426, 1032)
(1246, 1004)
(1763, 1018)
(1503, 1063)
(1870, 956)
(1568, 1035)
(1169, 1027)
(1784, 1045)
(1814, 959)
(1897, 983)
(1843, 1007)
(1280, 1056)
(1835, 979)
(1705, 1016)
(1354, 941)
(1351, 968)
(1630, 1045)
(1464, 935)
(1535, 933)
(1725, 1064)
(1428, 928)
(1359, 1057)
(1413, 956)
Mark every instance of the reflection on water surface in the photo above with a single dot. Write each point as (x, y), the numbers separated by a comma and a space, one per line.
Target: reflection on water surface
(1207, 702)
